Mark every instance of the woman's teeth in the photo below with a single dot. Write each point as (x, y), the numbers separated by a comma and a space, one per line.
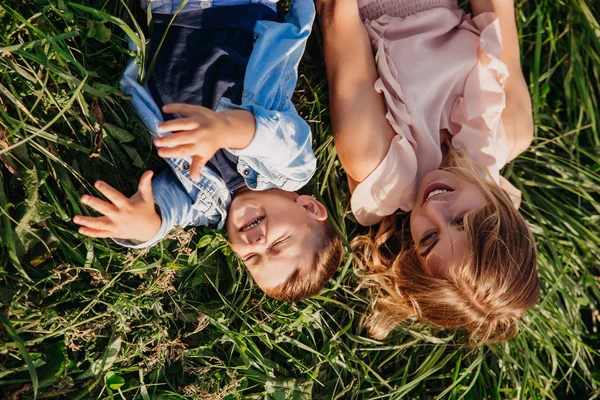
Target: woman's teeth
(436, 192)
(252, 224)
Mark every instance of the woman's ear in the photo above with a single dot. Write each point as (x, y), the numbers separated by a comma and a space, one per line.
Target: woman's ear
(315, 209)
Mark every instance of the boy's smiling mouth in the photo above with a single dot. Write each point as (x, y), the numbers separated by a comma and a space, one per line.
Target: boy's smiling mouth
(252, 224)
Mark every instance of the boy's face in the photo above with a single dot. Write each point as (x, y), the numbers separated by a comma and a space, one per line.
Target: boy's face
(272, 231)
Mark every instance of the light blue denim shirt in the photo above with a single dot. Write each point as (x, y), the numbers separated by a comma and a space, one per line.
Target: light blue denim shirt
(280, 154)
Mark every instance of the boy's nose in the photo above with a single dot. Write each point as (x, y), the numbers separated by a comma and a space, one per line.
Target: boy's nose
(257, 239)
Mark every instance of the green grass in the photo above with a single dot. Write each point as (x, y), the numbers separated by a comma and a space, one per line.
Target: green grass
(87, 319)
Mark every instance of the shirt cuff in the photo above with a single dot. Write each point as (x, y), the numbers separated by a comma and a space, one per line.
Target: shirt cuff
(162, 232)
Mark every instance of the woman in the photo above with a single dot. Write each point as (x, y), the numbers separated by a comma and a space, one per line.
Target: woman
(425, 126)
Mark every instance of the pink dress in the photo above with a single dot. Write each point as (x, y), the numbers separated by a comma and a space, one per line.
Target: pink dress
(439, 69)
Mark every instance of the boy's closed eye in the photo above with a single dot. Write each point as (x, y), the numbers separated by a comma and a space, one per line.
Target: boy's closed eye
(253, 258)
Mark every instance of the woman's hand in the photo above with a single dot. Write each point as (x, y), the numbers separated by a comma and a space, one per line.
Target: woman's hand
(123, 218)
(202, 132)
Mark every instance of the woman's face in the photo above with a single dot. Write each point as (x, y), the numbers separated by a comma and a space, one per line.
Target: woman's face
(436, 221)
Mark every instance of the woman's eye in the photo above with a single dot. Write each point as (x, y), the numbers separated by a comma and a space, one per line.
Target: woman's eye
(425, 240)
(459, 221)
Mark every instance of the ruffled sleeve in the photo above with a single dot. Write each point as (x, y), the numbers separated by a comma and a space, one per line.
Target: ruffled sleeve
(477, 114)
(391, 186)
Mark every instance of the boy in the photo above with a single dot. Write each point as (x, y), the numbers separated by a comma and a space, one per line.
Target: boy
(237, 150)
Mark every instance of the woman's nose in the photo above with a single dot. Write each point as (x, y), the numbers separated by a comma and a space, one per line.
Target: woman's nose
(438, 211)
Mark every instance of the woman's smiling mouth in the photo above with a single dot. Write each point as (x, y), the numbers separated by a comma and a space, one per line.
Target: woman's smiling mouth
(435, 190)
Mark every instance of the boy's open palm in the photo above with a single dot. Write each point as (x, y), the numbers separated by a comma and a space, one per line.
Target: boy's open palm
(132, 218)
(202, 132)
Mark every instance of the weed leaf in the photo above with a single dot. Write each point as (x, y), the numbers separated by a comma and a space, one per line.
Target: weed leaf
(24, 353)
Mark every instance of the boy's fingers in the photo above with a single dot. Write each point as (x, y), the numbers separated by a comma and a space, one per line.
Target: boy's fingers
(183, 109)
(95, 233)
(185, 150)
(145, 186)
(196, 168)
(99, 205)
(98, 223)
(112, 194)
(180, 124)
(176, 139)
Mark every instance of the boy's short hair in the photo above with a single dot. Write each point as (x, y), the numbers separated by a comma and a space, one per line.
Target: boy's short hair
(308, 281)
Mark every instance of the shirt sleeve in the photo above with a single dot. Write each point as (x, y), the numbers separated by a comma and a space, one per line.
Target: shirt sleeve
(283, 142)
(141, 99)
(175, 207)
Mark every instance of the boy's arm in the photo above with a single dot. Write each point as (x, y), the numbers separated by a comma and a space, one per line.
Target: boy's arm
(361, 131)
(133, 222)
(278, 139)
(282, 141)
(201, 133)
(518, 115)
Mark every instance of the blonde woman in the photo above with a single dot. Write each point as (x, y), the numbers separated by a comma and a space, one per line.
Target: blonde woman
(425, 126)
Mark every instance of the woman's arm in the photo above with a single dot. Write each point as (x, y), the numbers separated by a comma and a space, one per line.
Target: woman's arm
(361, 132)
(518, 115)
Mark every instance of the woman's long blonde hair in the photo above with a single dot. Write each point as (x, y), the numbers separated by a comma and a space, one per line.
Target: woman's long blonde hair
(484, 294)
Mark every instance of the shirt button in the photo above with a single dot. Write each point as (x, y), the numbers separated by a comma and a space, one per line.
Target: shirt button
(186, 166)
(205, 3)
(203, 196)
(246, 171)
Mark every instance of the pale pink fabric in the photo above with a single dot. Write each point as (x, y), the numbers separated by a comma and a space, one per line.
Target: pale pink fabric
(439, 69)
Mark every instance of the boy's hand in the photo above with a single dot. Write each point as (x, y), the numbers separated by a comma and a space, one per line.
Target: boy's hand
(130, 219)
(202, 133)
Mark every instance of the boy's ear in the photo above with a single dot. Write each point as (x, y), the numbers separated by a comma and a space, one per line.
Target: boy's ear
(315, 209)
